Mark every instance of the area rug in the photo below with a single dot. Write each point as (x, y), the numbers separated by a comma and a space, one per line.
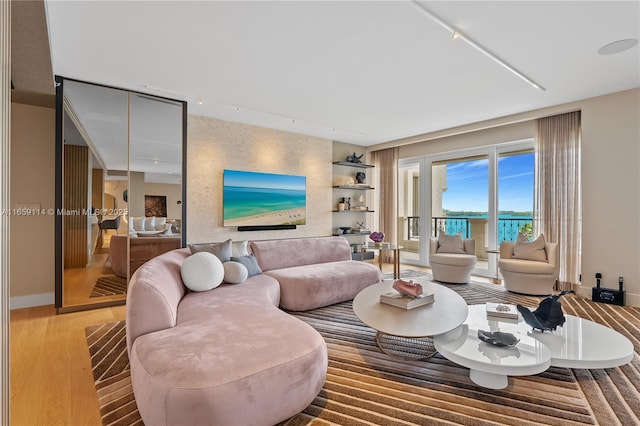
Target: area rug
(109, 285)
(407, 273)
(365, 386)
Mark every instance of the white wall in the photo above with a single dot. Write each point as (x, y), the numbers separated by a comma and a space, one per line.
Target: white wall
(32, 277)
(611, 191)
(610, 177)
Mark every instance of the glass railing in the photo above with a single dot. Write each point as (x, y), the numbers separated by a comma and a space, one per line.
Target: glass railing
(508, 228)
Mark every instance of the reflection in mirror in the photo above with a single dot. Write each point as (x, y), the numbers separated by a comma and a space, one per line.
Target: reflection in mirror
(95, 142)
(155, 178)
(120, 163)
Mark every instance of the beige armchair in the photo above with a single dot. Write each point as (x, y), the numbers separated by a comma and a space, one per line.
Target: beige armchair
(454, 268)
(530, 277)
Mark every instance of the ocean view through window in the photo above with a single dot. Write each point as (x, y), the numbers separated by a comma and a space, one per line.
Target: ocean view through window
(485, 194)
(465, 197)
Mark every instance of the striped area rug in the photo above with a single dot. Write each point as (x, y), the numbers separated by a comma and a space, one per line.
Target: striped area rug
(365, 386)
(109, 285)
(110, 364)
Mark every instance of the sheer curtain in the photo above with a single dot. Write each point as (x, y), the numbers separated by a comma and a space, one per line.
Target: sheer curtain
(386, 163)
(557, 204)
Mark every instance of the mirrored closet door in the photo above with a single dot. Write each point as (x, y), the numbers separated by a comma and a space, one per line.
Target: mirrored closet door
(120, 198)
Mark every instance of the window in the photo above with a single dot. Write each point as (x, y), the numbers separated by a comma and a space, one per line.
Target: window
(485, 194)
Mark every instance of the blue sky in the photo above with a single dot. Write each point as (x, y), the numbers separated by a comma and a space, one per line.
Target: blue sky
(263, 180)
(468, 183)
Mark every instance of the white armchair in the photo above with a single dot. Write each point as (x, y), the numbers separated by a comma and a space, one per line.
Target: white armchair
(450, 267)
(531, 277)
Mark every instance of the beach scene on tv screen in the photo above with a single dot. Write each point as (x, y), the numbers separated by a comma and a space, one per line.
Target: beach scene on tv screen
(254, 198)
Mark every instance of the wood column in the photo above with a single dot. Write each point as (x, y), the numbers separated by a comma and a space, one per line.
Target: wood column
(76, 204)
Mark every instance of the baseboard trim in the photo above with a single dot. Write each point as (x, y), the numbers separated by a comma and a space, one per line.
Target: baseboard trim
(32, 300)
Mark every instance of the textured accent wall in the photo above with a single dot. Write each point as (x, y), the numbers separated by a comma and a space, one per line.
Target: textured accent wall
(215, 145)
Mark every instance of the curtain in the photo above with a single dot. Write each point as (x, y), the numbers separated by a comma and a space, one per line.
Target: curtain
(557, 205)
(386, 163)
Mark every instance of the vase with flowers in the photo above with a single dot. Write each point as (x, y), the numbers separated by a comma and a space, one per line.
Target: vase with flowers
(377, 238)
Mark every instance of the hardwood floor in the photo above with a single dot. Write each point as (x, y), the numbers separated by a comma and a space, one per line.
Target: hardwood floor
(79, 282)
(51, 379)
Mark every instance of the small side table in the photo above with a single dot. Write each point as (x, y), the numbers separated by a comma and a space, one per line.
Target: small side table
(396, 256)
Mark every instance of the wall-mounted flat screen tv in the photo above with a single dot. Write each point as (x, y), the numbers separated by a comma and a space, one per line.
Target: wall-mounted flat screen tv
(263, 199)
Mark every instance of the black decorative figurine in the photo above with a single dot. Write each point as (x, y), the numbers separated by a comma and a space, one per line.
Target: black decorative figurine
(549, 314)
(360, 177)
(354, 158)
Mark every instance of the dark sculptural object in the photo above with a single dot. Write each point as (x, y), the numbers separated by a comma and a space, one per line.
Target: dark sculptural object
(360, 176)
(498, 338)
(549, 314)
(354, 158)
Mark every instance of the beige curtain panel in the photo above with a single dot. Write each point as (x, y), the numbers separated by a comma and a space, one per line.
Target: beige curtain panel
(558, 204)
(386, 162)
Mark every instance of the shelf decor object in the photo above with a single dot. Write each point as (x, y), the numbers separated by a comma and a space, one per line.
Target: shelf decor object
(377, 238)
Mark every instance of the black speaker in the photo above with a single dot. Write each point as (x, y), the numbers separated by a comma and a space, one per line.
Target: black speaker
(607, 295)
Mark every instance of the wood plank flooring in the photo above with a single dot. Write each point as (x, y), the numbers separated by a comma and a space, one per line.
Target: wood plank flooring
(79, 282)
(51, 379)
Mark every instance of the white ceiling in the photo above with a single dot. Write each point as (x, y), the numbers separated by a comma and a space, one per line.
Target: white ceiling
(361, 72)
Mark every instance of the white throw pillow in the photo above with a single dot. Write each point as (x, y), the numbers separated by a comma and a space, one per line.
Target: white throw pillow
(150, 223)
(161, 223)
(202, 272)
(235, 272)
(534, 250)
(138, 223)
(448, 243)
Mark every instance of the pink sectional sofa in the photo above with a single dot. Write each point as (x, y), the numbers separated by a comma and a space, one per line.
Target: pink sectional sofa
(229, 356)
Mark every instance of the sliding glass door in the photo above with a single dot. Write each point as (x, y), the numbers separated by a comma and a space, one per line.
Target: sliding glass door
(484, 194)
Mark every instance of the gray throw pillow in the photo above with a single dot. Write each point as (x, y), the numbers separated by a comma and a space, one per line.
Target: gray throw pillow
(450, 244)
(534, 250)
(221, 250)
(250, 263)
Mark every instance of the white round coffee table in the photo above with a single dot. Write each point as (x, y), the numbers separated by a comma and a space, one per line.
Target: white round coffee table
(489, 366)
(579, 343)
(403, 332)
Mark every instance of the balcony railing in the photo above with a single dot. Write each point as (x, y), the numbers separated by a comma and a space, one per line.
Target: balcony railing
(508, 228)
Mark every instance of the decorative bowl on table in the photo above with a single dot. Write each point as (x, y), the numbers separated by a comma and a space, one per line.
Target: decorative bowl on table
(345, 229)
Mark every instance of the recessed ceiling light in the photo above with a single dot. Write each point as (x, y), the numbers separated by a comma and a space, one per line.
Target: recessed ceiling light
(618, 46)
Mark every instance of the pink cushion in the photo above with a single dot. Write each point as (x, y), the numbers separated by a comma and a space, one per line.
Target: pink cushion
(312, 286)
(155, 291)
(241, 364)
(278, 254)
